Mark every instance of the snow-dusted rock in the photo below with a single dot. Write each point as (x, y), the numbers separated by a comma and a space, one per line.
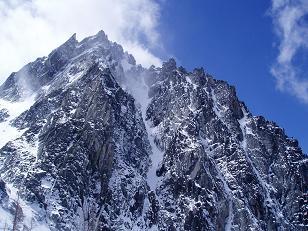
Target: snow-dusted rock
(99, 143)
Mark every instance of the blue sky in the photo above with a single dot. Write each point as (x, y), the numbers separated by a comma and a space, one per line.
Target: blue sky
(236, 43)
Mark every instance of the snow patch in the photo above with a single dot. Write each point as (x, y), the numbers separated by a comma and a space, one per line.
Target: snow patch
(221, 177)
(30, 213)
(156, 159)
(7, 131)
(217, 107)
(74, 77)
(139, 90)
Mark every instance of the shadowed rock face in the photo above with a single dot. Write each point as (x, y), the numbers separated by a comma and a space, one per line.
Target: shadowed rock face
(86, 145)
(220, 160)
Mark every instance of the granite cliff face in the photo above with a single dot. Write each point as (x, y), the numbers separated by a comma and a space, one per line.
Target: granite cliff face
(91, 141)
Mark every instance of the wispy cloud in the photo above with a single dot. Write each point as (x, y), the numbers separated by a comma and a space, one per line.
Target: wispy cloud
(32, 28)
(291, 26)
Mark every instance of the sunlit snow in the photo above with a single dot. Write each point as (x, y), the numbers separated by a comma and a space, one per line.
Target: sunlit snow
(7, 131)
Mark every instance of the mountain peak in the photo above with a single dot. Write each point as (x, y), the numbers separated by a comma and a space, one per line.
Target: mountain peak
(72, 38)
(103, 144)
(71, 42)
(169, 65)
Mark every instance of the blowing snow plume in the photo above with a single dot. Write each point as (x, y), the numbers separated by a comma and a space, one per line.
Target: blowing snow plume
(39, 25)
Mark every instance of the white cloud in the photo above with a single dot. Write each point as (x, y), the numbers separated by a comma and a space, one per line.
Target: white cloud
(292, 30)
(32, 28)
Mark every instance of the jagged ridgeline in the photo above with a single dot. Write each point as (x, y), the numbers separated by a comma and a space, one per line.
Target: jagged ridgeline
(91, 141)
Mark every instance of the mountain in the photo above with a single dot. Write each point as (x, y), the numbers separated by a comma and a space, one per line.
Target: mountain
(92, 141)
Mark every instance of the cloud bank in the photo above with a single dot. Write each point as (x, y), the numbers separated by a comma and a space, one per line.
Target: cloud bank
(291, 26)
(32, 28)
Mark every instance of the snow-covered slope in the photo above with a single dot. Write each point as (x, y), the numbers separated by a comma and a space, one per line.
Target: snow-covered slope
(91, 141)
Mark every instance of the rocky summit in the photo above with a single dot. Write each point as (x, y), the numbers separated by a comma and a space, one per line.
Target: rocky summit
(89, 140)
